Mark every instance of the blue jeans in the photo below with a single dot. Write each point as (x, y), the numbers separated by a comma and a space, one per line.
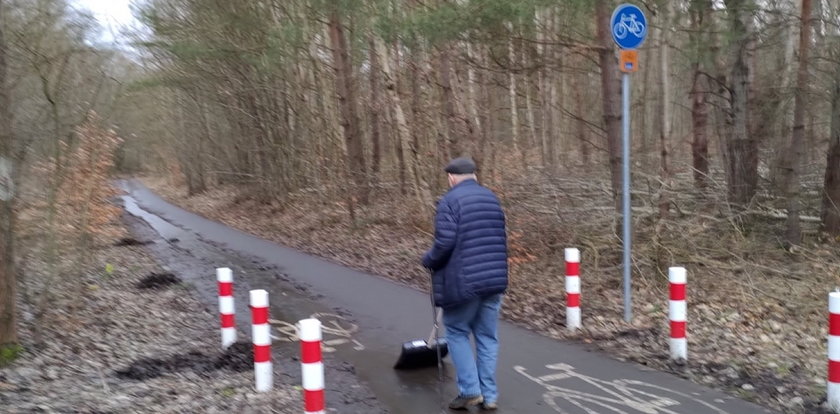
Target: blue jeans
(480, 317)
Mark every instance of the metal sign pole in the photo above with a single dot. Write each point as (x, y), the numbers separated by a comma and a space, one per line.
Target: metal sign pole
(629, 28)
(625, 191)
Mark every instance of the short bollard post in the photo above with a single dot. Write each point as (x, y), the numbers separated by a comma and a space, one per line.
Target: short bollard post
(677, 313)
(224, 276)
(572, 289)
(312, 367)
(261, 336)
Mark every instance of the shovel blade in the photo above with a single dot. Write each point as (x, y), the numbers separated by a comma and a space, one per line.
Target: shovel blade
(420, 354)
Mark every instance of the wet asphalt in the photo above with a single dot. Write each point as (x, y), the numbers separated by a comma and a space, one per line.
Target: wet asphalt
(367, 318)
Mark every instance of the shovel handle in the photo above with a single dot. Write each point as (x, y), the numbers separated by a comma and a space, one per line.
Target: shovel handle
(433, 334)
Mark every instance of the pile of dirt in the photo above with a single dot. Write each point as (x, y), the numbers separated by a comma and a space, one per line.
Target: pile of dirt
(147, 368)
(131, 241)
(238, 357)
(158, 281)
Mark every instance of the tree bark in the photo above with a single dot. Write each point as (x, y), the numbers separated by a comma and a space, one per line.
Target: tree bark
(784, 114)
(741, 145)
(375, 110)
(472, 100)
(349, 113)
(699, 128)
(409, 151)
(831, 192)
(580, 124)
(462, 137)
(514, 109)
(699, 104)
(793, 233)
(8, 284)
(665, 102)
(610, 97)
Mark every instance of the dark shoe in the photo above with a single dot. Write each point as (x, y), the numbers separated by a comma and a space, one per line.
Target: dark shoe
(464, 402)
(489, 406)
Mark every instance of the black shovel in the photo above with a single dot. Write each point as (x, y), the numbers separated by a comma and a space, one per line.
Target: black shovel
(424, 353)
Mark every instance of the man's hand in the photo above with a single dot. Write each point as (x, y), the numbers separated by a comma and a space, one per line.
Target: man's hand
(426, 262)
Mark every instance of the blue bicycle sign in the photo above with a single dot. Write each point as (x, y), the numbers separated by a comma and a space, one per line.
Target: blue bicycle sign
(629, 26)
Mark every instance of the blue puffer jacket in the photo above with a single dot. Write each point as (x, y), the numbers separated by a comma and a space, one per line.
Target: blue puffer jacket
(469, 256)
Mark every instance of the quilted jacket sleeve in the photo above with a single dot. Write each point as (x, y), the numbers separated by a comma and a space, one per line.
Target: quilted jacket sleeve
(446, 227)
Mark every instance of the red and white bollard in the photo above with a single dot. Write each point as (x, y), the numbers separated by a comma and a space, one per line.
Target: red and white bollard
(261, 336)
(833, 392)
(226, 309)
(677, 313)
(311, 366)
(572, 289)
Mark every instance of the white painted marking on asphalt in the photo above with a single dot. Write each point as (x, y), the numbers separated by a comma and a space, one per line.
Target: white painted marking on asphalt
(337, 331)
(622, 396)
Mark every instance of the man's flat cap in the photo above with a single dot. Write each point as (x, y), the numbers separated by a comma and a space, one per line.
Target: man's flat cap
(460, 165)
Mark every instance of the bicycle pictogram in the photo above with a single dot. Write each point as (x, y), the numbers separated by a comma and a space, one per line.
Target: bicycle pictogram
(622, 396)
(628, 24)
(336, 329)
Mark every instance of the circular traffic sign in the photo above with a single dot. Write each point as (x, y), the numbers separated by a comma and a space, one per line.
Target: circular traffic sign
(628, 26)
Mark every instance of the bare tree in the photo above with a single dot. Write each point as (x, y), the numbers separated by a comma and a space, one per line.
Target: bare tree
(349, 113)
(793, 235)
(609, 96)
(831, 184)
(699, 106)
(8, 324)
(741, 146)
(665, 102)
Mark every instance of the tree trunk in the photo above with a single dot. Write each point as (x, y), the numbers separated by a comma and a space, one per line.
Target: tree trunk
(665, 102)
(610, 96)
(699, 128)
(206, 136)
(8, 284)
(580, 124)
(831, 193)
(546, 88)
(698, 95)
(473, 102)
(409, 152)
(646, 128)
(417, 115)
(741, 146)
(552, 120)
(349, 114)
(529, 110)
(375, 110)
(793, 234)
(784, 114)
(514, 110)
(476, 105)
(462, 138)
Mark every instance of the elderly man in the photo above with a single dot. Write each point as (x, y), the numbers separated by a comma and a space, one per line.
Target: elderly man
(470, 275)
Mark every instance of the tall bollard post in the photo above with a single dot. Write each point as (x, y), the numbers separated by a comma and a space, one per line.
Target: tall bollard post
(261, 336)
(311, 365)
(833, 384)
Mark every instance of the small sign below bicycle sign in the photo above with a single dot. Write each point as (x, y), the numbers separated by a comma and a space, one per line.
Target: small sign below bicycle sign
(629, 26)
